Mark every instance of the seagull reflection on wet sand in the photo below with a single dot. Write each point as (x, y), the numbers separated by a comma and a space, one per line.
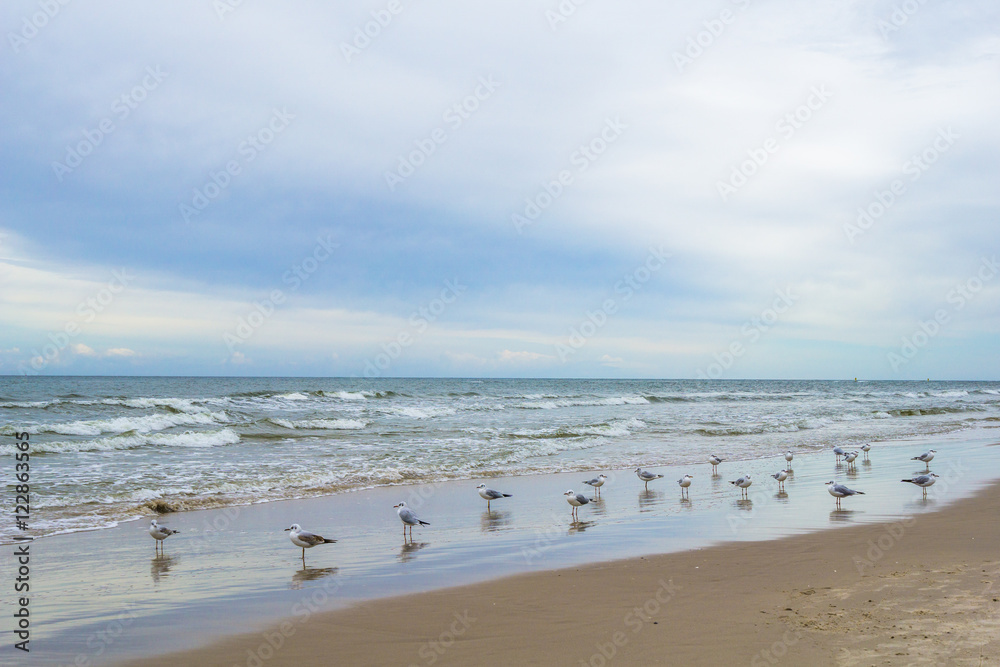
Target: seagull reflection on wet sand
(495, 520)
(311, 574)
(160, 566)
(409, 550)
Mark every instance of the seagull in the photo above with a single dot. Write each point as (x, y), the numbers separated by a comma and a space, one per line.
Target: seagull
(789, 456)
(924, 481)
(685, 482)
(850, 457)
(838, 491)
(781, 477)
(744, 483)
(715, 461)
(597, 482)
(926, 457)
(839, 451)
(866, 448)
(489, 495)
(576, 500)
(160, 533)
(304, 539)
(646, 476)
(408, 517)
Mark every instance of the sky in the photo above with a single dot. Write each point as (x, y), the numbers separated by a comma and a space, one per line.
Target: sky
(731, 189)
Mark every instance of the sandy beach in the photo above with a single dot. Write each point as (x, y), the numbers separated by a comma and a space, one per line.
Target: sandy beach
(921, 590)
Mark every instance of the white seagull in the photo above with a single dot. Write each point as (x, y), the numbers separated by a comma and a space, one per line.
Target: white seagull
(926, 457)
(160, 533)
(839, 451)
(576, 500)
(715, 461)
(646, 476)
(789, 456)
(781, 477)
(923, 481)
(597, 482)
(409, 518)
(866, 448)
(851, 457)
(744, 483)
(685, 482)
(838, 491)
(490, 495)
(305, 539)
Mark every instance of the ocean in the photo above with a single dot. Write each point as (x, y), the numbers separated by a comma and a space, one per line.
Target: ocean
(110, 449)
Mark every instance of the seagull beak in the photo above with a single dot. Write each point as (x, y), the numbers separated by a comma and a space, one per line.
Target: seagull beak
(287, 529)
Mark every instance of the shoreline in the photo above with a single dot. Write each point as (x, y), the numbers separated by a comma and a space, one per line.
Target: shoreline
(834, 597)
(233, 571)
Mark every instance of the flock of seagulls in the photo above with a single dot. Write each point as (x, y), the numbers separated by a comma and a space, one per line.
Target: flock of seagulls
(409, 518)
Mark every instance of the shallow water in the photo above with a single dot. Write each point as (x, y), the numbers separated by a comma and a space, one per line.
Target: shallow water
(234, 569)
(104, 449)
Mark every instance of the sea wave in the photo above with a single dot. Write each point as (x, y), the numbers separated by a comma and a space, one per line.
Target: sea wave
(133, 440)
(141, 424)
(320, 424)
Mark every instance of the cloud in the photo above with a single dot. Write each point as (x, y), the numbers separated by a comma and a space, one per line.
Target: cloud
(120, 352)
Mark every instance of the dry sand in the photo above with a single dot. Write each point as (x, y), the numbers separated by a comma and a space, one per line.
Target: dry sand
(920, 592)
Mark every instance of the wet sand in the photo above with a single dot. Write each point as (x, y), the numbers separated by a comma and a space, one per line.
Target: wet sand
(920, 590)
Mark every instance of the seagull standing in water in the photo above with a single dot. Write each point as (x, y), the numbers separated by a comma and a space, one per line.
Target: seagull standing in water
(781, 477)
(490, 495)
(866, 448)
(646, 476)
(576, 500)
(160, 533)
(744, 483)
(850, 458)
(597, 483)
(924, 481)
(715, 461)
(926, 457)
(409, 518)
(839, 451)
(788, 457)
(685, 482)
(838, 491)
(305, 539)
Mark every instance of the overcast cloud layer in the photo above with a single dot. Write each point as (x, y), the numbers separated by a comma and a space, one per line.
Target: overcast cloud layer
(645, 189)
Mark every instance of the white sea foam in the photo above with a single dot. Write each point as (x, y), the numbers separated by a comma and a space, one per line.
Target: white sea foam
(321, 424)
(220, 438)
(141, 424)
